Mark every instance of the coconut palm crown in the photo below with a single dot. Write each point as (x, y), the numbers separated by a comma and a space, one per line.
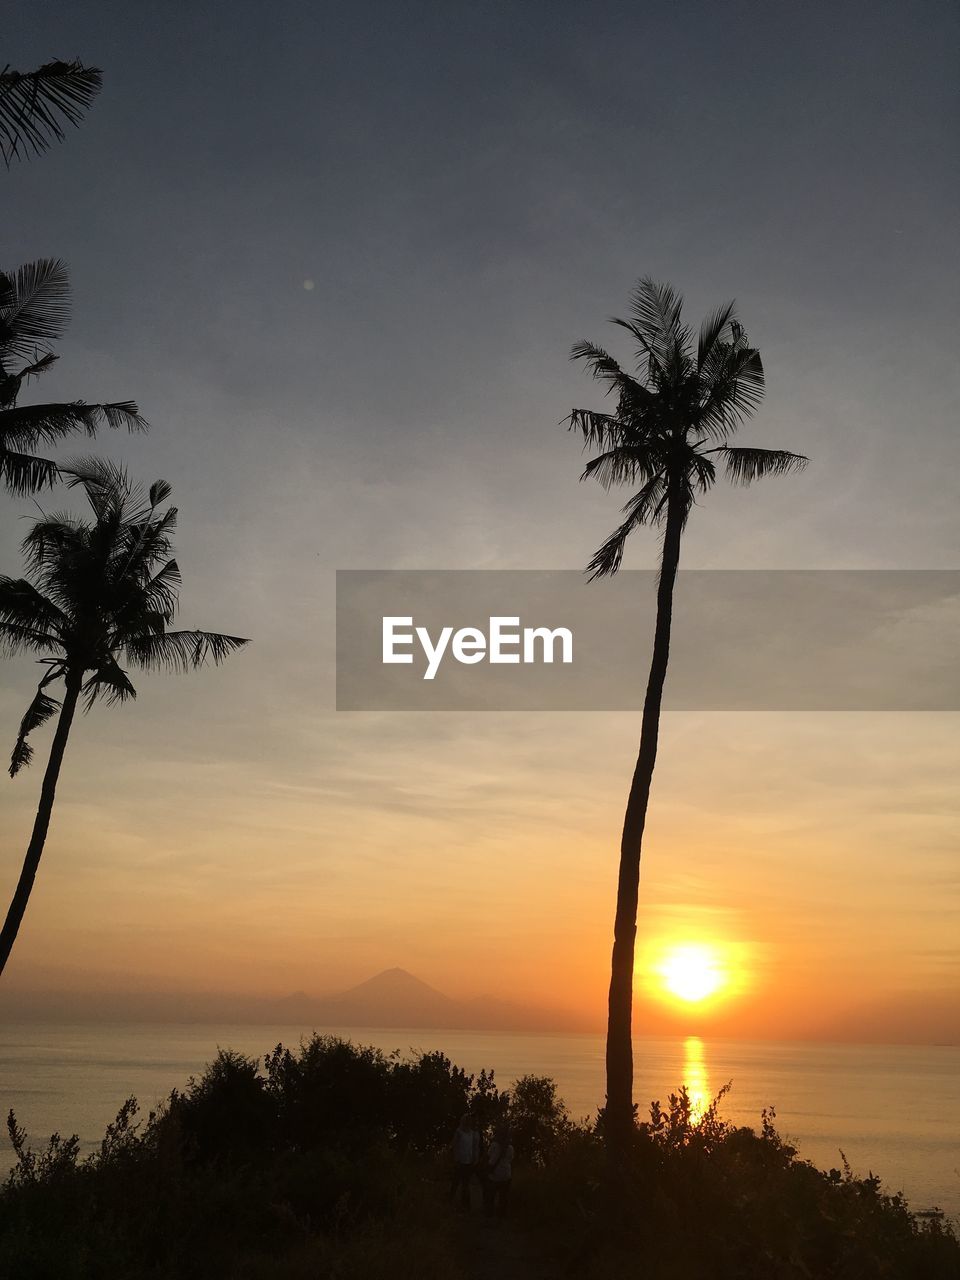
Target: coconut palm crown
(34, 311)
(100, 597)
(667, 435)
(672, 420)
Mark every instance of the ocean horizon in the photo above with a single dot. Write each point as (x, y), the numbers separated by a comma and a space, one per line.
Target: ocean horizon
(891, 1110)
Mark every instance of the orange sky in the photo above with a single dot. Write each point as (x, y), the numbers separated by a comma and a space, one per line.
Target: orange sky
(480, 854)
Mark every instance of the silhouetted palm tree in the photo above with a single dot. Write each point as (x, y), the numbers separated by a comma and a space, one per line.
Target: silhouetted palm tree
(35, 105)
(34, 310)
(99, 592)
(667, 434)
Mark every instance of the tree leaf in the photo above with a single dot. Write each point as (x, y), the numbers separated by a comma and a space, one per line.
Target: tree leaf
(35, 105)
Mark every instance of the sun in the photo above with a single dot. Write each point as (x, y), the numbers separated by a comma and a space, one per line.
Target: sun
(692, 971)
(697, 973)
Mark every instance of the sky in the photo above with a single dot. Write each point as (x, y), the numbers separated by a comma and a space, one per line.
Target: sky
(339, 254)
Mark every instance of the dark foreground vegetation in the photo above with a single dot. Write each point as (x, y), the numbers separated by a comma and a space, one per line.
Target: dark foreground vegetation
(331, 1161)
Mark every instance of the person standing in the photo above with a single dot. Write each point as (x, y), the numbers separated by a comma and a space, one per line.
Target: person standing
(466, 1157)
(499, 1171)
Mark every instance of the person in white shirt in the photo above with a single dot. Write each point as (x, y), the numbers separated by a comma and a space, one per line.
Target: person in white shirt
(466, 1157)
(499, 1171)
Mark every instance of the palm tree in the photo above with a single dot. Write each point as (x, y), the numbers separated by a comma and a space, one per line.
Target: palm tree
(98, 592)
(667, 435)
(34, 310)
(35, 105)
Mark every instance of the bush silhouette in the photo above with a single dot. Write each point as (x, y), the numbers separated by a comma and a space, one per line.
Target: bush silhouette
(331, 1160)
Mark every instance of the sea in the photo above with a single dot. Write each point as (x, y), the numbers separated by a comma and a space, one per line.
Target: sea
(890, 1110)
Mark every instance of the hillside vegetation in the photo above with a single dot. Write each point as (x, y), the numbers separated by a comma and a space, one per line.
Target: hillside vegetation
(331, 1161)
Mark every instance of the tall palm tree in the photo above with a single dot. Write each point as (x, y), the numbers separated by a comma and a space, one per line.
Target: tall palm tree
(34, 310)
(35, 105)
(98, 592)
(667, 435)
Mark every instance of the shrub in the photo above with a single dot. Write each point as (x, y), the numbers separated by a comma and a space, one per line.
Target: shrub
(327, 1162)
(225, 1115)
(428, 1095)
(538, 1119)
(330, 1092)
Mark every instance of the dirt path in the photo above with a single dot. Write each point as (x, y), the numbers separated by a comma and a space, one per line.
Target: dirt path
(498, 1249)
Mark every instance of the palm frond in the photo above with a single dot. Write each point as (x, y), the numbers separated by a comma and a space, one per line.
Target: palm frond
(23, 474)
(38, 713)
(599, 430)
(701, 472)
(746, 373)
(26, 425)
(143, 543)
(21, 602)
(645, 507)
(712, 330)
(160, 592)
(655, 309)
(36, 105)
(645, 353)
(34, 307)
(181, 650)
(15, 638)
(97, 474)
(29, 621)
(150, 537)
(605, 369)
(109, 682)
(39, 366)
(51, 540)
(123, 413)
(159, 492)
(746, 465)
(732, 386)
(106, 486)
(624, 464)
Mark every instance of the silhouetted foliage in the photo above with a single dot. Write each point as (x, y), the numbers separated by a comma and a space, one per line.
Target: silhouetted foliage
(329, 1092)
(705, 1200)
(99, 593)
(35, 105)
(34, 311)
(538, 1119)
(225, 1116)
(428, 1096)
(331, 1162)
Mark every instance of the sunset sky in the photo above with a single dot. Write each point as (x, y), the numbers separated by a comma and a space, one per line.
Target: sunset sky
(339, 258)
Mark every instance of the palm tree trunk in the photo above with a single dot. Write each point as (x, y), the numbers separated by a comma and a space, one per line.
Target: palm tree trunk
(18, 906)
(618, 1115)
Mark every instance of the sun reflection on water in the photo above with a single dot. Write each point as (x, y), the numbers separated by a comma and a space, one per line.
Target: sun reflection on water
(695, 1078)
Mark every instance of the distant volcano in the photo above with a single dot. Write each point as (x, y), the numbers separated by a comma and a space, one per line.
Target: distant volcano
(396, 998)
(393, 998)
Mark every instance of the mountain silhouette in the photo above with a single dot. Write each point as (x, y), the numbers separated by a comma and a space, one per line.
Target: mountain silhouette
(393, 998)
(396, 998)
